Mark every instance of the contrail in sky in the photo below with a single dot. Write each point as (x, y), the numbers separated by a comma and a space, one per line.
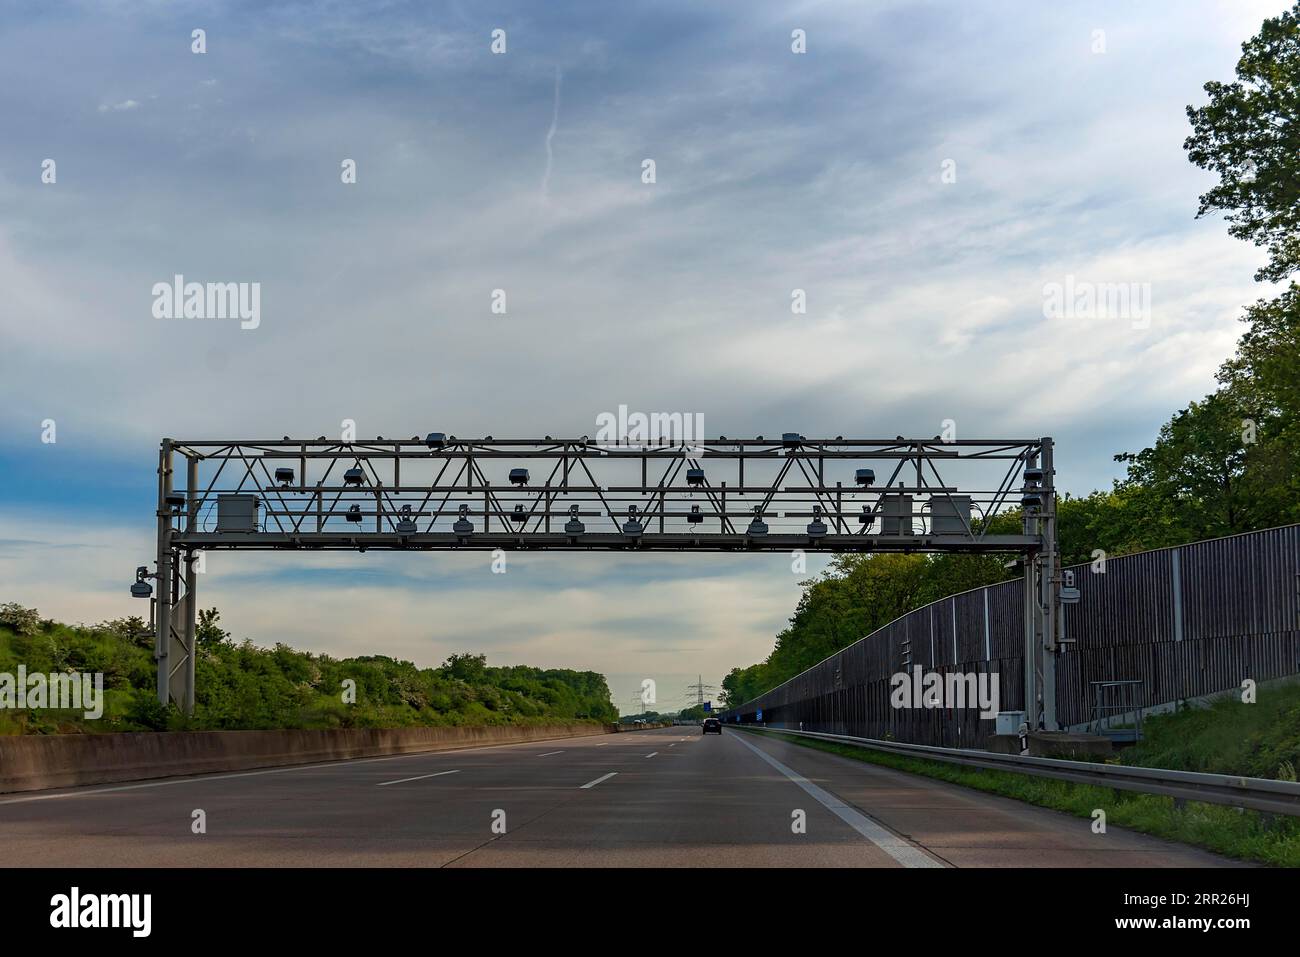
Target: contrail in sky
(550, 134)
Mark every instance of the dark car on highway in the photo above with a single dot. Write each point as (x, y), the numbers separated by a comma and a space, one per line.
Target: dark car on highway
(712, 724)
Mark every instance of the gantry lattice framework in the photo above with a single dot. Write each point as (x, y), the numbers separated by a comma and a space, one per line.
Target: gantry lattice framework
(718, 495)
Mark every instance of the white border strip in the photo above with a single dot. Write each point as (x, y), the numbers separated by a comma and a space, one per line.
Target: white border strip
(900, 850)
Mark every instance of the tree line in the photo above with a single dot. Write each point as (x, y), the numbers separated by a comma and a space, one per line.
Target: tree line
(240, 686)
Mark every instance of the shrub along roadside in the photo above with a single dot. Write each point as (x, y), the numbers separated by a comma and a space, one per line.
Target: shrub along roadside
(240, 686)
(1245, 835)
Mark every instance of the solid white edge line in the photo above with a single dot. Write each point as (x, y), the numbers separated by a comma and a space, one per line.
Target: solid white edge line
(418, 777)
(592, 784)
(900, 850)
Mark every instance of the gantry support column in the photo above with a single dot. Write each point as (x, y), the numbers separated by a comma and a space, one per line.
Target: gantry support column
(191, 582)
(1051, 590)
(1042, 601)
(1030, 604)
(163, 624)
(174, 632)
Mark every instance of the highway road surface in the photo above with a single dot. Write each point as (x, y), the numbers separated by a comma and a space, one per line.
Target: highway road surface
(668, 797)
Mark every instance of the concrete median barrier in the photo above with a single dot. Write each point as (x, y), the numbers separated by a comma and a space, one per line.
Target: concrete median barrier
(36, 762)
(618, 728)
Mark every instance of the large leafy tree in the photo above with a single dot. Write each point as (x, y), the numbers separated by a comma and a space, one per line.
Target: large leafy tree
(1264, 378)
(1249, 134)
(208, 632)
(1192, 482)
(466, 667)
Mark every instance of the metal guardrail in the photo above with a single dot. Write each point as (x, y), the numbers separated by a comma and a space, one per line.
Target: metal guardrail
(1256, 794)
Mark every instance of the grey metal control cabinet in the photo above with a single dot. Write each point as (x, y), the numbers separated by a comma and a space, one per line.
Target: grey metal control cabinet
(237, 513)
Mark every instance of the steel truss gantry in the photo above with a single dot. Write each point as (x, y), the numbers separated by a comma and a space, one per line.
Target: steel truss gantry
(708, 495)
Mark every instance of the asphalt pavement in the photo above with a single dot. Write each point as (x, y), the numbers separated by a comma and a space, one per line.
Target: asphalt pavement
(670, 797)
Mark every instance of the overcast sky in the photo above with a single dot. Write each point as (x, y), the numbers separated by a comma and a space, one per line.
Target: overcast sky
(924, 172)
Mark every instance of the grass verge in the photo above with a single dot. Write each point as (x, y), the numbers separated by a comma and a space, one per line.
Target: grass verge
(1244, 835)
